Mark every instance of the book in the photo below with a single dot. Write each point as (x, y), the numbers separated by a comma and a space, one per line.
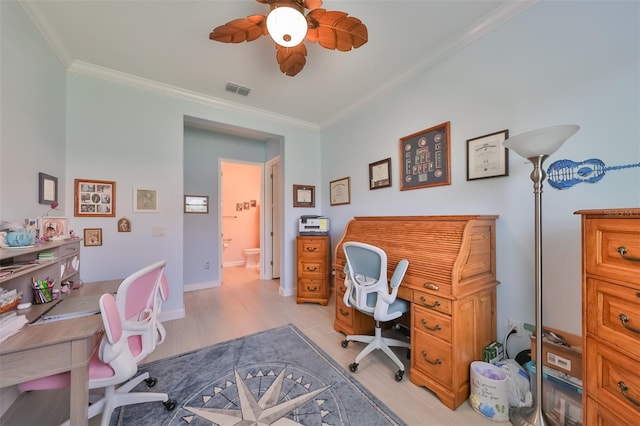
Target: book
(10, 324)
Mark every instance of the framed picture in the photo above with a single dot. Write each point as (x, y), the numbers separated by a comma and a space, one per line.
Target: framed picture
(47, 189)
(54, 228)
(487, 156)
(145, 200)
(124, 225)
(340, 191)
(380, 174)
(304, 196)
(238, 207)
(92, 237)
(196, 204)
(425, 158)
(94, 198)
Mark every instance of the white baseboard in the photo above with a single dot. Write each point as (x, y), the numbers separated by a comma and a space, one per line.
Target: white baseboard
(233, 263)
(202, 286)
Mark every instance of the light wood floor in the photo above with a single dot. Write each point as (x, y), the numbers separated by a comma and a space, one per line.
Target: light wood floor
(244, 305)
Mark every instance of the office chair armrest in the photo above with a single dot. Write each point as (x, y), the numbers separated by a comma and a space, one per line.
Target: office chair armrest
(398, 273)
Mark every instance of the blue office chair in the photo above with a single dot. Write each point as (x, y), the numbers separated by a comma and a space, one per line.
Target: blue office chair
(368, 291)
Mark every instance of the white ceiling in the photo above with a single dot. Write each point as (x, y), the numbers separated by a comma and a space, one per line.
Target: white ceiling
(167, 42)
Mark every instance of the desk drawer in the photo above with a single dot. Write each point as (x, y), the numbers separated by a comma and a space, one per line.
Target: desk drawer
(614, 313)
(613, 370)
(431, 357)
(430, 301)
(613, 249)
(343, 314)
(432, 323)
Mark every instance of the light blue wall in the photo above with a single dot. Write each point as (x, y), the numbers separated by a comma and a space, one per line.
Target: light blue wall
(32, 117)
(558, 63)
(202, 149)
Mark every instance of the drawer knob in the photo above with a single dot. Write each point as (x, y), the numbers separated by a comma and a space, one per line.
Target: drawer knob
(312, 248)
(436, 362)
(312, 268)
(343, 312)
(431, 286)
(436, 328)
(624, 320)
(624, 389)
(312, 288)
(433, 305)
(623, 254)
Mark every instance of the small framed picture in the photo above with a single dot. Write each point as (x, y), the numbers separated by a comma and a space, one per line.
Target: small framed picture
(304, 196)
(47, 189)
(145, 200)
(487, 156)
(340, 191)
(380, 174)
(92, 237)
(94, 198)
(238, 207)
(54, 228)
(196, 204)
(124, 225)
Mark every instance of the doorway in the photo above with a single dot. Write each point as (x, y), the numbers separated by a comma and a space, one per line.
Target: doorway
(241, 204)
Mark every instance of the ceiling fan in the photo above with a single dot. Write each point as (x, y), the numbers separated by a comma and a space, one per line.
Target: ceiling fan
(288, 26)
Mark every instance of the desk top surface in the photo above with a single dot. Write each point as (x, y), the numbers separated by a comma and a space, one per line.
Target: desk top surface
(39, 335)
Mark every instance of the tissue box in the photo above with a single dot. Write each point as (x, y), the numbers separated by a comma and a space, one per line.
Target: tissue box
(567, 359)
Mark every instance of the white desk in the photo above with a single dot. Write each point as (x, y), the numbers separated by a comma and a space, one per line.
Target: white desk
(39, 350)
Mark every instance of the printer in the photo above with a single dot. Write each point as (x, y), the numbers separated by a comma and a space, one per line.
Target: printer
(313, 225)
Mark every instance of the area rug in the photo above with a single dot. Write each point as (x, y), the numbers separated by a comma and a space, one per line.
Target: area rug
(275, 377)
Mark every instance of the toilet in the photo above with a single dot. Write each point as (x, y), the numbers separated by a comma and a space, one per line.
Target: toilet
(252, 258)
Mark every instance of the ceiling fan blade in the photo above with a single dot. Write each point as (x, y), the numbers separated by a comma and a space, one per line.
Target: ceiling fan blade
(312, 4)
(336, 30)
(239, 30)
(291, 59)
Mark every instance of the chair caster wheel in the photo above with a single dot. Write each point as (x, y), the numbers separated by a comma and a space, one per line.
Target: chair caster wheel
(353, 367)
(345, 343)
(151, 382)
(170, 404)
(399, 375)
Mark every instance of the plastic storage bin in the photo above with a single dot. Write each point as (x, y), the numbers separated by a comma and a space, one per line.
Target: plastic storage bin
(561, 400)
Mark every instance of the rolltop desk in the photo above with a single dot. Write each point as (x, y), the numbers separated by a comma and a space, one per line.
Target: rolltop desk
(451, 284)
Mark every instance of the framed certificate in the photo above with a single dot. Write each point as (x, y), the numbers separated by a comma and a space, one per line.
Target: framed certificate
(340, 191)
(304, 196)
(487, 157)
(380, 174)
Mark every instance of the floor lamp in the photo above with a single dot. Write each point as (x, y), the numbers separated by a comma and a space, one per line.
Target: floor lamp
(536, 146)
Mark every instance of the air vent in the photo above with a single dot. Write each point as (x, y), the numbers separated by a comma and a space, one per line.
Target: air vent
(237, 89)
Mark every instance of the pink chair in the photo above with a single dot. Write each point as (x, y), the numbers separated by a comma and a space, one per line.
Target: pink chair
(111, 365)
(139, 299)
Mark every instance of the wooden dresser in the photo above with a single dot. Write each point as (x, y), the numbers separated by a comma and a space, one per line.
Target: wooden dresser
(451, 283)
(313, 269)
(611, 316)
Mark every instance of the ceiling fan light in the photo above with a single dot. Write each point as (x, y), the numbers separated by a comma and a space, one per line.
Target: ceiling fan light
(286, 26)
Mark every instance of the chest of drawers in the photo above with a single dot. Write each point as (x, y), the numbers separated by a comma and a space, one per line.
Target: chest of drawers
(611, 316)
(313, 269)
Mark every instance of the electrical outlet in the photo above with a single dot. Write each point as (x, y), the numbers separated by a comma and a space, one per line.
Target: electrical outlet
(516, 325)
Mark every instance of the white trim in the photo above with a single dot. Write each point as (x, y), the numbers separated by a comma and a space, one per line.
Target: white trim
(172, 315)
(201, 286)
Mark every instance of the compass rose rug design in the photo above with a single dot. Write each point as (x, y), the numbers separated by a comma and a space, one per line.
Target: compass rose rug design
(276, 377)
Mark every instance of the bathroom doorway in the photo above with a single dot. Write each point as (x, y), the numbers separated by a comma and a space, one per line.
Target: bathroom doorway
(241, 204)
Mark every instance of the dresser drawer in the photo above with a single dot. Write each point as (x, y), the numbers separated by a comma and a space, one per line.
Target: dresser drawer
(613, 314)
(613, 249)
(430, 301)
(596, 414)
(312, 247)
(431, 357)
(311, 268)
(432, 323)
(612, 371)
(311, 287)
(69, 249)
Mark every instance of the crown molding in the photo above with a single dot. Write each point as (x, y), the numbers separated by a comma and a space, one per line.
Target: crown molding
(48, 33)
